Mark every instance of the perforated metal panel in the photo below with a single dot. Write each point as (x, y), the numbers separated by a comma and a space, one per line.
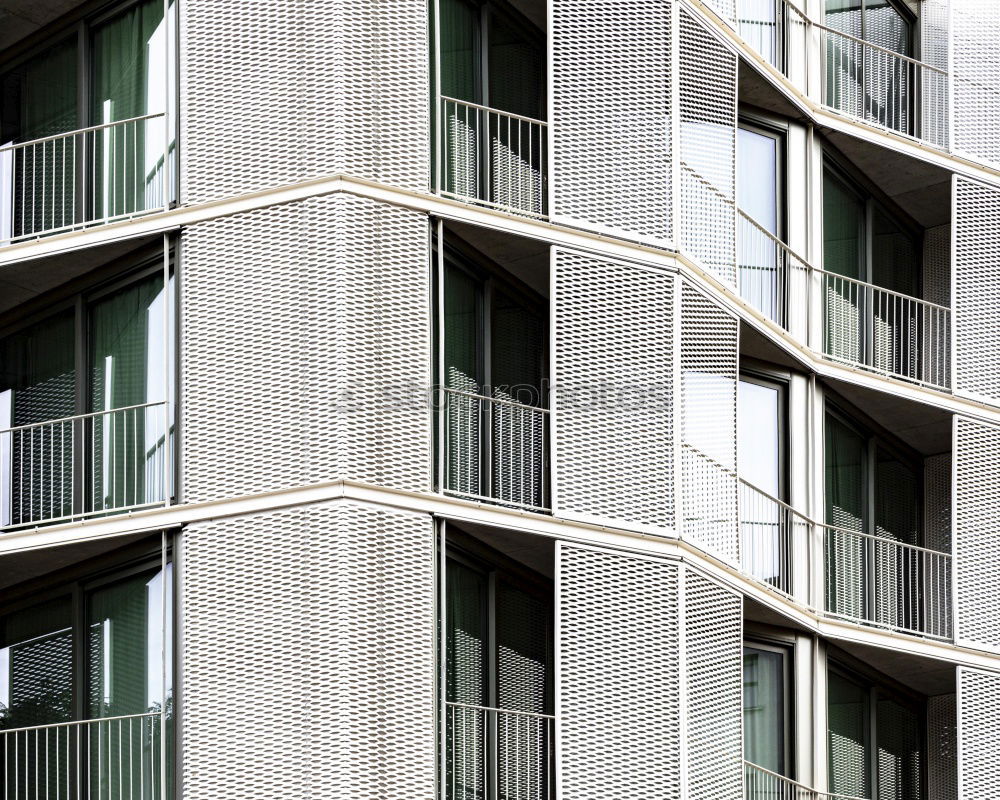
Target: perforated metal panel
(305, 348)
(611, 157)
(937, 502)
(308, 666)
(709, 352)
(934, 45)
(612, 376)
(707, 107)
(278, 92)
(618, 690)
(978, 734)
(975, 77)
(713, 647)
(977, 287)
(977, 533)
(942, 750)
(936, 283)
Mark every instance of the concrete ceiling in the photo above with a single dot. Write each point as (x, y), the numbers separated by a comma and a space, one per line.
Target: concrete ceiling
(537, 553)
(925, 675)
(526, 259)
(534, 10)
(21, 18)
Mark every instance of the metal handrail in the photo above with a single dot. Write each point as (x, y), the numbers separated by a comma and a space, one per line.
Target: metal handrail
(880, 48)
(774, 239)
(876, 288)
(492, 110)
(498, 400)
(798, 785)
(473, 707)
(78, 131)
(76, 417)
(70, 723)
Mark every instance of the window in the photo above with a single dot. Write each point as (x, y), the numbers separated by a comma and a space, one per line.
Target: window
(498, 679)
(869, 82)
(98, 649)
(69, 446)
(762, 24)
(766, 707)
(760, 197)
(875, 740)
(112, 68)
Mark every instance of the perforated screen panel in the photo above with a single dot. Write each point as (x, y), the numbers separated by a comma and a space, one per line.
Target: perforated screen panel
(308, 655)
(942, 749)
(978, 734)
(618, 695)
(977, 287)
(709, 355)
(934, 46)
(977, 533)
(305, 344)
(975, 77)
(611, 157)
(612, 377)
(713, 647)
(707, 106)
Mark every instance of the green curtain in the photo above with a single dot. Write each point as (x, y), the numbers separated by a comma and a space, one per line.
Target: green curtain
(515, 69)
(129, 80)
(459, 31)
(900, 751)
(763, 709)
(462, 322)
(516, 343)
(523, 630)
(895, 257)
(465, 609)
(843, 226)
(896, 499)
(846, 468)
(848, 738)
(126, 369)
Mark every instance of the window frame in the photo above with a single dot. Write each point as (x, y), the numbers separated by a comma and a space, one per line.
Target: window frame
(758, 641)
(761, 376)
(778, 131)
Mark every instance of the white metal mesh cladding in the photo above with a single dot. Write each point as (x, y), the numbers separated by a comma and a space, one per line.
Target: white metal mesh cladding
(611, 159)
(308, 655)
(977, 533)
(942, 749)
(713, 647)
(976, 228)
(934, 43)
(936, 284)
(708, 149)
(978, 734)
(975, 78)
(709, 353)
(305, 344)
(618, 688)
(613, 371)
(278, 92)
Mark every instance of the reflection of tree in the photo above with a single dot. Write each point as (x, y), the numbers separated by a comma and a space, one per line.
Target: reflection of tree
(49, 704)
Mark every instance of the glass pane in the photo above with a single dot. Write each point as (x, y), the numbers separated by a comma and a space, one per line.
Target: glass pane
(462, 322)
(759, 409)
(515, 69)
(760, 25)
(516, 342)
(896, 499)
(897, 570)
(764, 708)
(895, 260)
(846, 478)
(36, 688)
(900, 756)
(843, 231)
(126, 681)
(127, 370)
(129, 80)
(459, 30)
(848, 718)
(844, 56)
(757, 165)
(37, 384)
(39, 99)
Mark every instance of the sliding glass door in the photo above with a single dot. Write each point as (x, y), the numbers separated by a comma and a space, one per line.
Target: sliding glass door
(765, 707)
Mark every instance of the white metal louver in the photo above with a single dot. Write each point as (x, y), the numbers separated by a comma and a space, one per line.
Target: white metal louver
(611, 106)
(305, 344)
(976, 264)
(976, 533)
(975, 30)
(612, 368)
(322, 619)
(649, 687)
(978, 716)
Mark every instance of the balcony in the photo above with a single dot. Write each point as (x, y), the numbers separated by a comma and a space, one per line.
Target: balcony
(762, 784)
(93, 176)
(121, 757)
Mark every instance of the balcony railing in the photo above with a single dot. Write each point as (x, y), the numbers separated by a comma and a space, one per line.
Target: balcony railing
(885, 331)
(87, 465)
(114, 757)
(493, 158)
(770, 532)
(91, 176)
(883, 582)
(769, 273)
(762, 784)
(495, 450)
(495, 754)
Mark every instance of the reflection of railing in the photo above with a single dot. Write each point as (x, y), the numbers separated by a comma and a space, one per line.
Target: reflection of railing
(885, 331)
(95, 463)
(115, 757)
(493, 754)
(769, 273)
(881, 86)
(86, 177)
(887, 583)
(492, 157)
(762, 784)
(495, 450)
(770, 530)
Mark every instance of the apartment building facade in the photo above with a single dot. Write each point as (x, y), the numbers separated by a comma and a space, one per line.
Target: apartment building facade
(500, 399)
